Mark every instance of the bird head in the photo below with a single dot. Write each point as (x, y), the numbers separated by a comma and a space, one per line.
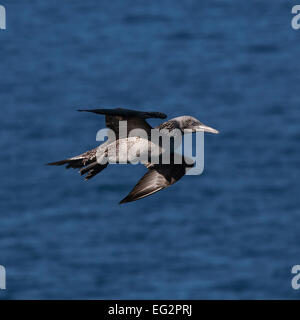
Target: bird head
(190, 124)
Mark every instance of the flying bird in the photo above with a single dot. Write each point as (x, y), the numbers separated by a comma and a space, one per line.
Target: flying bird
(159, 175)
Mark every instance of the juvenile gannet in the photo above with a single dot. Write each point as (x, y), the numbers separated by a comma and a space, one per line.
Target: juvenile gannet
(159, 176)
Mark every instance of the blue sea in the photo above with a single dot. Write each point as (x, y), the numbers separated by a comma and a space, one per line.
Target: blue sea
(232, 232)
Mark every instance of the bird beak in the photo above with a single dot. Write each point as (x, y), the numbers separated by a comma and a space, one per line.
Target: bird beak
(203, 128)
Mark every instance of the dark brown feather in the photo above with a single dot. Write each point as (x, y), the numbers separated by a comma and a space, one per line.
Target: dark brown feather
(135, 119)
(157, 178)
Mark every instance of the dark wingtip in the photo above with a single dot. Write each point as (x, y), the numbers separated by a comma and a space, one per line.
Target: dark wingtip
(88, 110)
(125, 200)
(97, 111)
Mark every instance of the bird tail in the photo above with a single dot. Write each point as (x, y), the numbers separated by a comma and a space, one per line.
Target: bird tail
(71, 163)
(79, 161)
(92, 169)
(87, 162)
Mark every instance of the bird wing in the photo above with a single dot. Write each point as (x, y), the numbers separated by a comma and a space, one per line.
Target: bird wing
(135, 119)
(157, 178)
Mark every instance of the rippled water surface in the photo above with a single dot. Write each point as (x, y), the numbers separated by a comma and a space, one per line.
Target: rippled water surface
(230, 233)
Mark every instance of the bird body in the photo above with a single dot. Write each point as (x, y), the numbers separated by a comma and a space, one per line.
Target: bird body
(128, 150)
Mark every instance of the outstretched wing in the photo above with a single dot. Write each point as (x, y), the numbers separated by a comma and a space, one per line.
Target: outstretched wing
(157, 178)
(135, 119)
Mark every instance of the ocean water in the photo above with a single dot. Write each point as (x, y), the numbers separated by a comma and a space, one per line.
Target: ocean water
(231, 233)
